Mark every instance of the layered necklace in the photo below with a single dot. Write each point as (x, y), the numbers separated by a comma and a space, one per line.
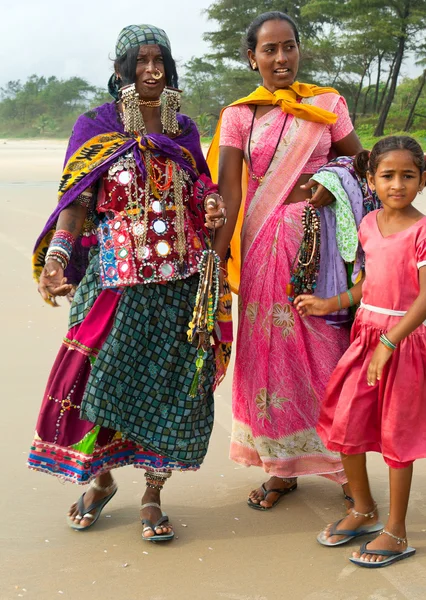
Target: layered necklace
(174, 177)
(260, 178)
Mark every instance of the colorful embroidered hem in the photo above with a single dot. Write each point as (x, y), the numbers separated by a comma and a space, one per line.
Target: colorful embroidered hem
(81, 468)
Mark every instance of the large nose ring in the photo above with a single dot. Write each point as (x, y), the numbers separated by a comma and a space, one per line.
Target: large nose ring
(157, 74)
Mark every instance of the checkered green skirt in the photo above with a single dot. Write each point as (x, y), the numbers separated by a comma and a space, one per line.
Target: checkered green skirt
(140, 380)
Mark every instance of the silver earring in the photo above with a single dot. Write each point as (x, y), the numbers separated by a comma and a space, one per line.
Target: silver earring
(169, 109)
(133, 121)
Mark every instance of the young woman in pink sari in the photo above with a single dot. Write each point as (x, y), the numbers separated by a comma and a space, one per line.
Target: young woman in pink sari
(282, 134)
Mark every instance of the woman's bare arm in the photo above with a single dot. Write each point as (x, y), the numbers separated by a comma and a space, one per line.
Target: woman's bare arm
(349, 145)
(230, 173)
(72, 219)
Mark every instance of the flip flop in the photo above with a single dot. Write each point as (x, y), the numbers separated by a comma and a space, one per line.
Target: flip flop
(392, 557)
(93, 512)
(350, 534)
(149, 525)
(281, 493)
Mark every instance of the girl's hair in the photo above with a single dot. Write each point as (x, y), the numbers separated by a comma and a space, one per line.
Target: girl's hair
(125, 66)
(369, 161)
(250, 41)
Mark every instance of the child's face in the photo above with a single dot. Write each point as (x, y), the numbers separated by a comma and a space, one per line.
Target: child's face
(397, 180)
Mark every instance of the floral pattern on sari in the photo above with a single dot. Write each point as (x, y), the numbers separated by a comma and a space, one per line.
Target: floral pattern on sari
(252, 312)
(282, 317)
(305, 442)
(264, 401)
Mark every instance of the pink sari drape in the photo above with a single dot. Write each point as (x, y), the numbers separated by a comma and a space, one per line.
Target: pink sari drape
(283, 363)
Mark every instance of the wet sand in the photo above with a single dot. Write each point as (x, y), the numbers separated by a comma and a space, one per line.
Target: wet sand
(223, 550)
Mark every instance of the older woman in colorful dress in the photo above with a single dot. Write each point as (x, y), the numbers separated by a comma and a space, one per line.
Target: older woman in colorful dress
(130, 231)
(281, 134)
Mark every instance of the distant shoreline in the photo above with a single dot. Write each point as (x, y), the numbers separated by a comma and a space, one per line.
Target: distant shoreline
(37, 140)
(366, 137)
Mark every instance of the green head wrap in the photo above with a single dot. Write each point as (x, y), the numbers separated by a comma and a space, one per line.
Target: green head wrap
(140, 35)
(134, 36)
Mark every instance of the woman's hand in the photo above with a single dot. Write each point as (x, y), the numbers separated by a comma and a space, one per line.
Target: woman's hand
(380, 357)
(311, 305)
(321, 196)
(215, 211)
(53, 283)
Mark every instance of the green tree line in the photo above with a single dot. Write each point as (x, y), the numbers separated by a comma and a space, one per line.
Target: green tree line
(357, 46)
(45, 106)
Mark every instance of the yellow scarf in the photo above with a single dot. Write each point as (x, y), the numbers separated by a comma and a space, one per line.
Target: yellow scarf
(287, 100)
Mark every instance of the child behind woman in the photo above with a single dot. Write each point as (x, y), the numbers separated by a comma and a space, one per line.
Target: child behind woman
(376, 398)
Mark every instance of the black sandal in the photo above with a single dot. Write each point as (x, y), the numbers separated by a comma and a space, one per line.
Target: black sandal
(92, 512)
(149, 525)
(281, 492)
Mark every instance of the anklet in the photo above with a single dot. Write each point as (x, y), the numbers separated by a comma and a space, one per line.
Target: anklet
(289, 480)
(395, 537)
(150, 505)
(370, 515)
(156, 481)
(100, 488)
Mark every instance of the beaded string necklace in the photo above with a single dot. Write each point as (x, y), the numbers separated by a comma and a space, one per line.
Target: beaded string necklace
(205, 309)
(305, 268)
(260, 178)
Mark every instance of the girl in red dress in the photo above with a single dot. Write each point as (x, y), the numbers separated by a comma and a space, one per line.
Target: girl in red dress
(376, 398)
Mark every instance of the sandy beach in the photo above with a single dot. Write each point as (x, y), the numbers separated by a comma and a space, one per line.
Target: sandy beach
(223, 550)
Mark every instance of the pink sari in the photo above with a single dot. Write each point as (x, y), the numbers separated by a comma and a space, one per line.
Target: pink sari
(283, 363)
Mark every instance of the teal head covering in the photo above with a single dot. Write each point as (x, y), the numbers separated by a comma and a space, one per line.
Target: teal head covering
(140, 35)
(134, 36)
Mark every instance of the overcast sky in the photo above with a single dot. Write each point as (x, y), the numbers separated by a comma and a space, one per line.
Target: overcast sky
(76, 38)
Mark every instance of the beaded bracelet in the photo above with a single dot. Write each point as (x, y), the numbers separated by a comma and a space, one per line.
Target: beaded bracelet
(386, 342)
(351, 298)
(59, 258)
(60, 248)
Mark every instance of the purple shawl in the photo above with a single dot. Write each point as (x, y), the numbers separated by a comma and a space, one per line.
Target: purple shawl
(104, 120)
(333, 277)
